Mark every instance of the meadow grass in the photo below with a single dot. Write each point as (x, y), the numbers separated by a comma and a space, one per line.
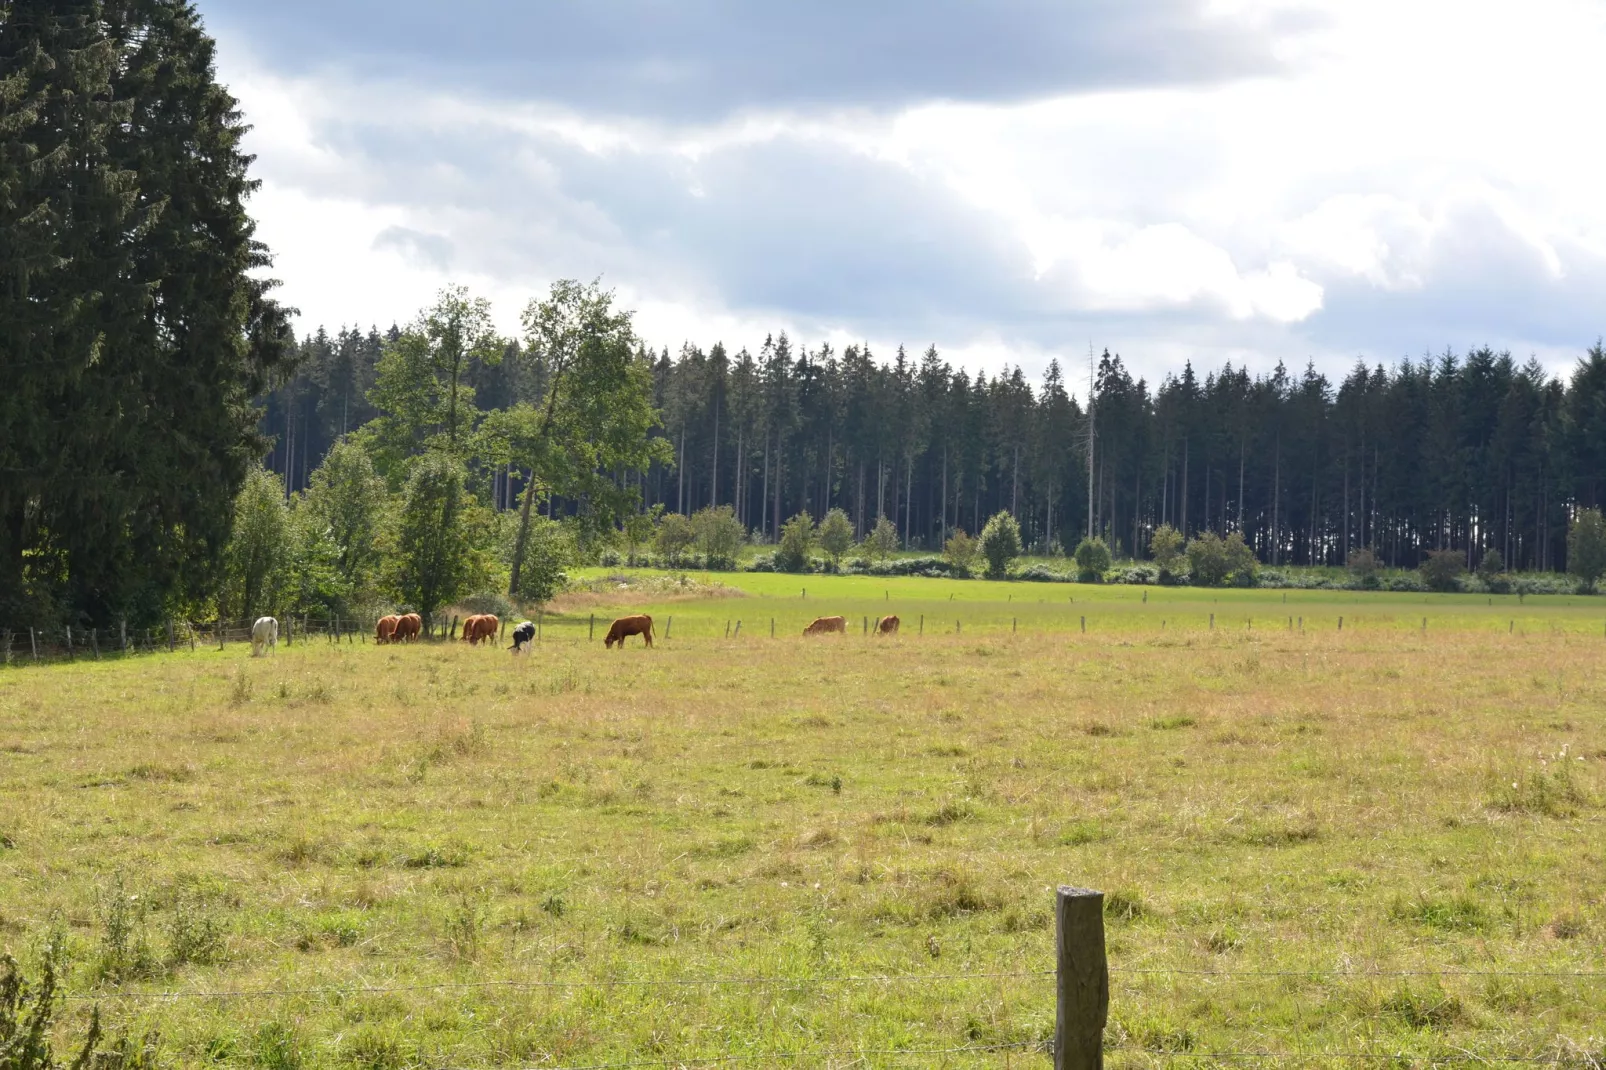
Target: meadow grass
(1384, 839)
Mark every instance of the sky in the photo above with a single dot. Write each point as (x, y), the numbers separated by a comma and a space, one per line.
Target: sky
(1012, 181)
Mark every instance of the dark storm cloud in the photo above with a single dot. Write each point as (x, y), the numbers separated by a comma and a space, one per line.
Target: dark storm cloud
(696, 60)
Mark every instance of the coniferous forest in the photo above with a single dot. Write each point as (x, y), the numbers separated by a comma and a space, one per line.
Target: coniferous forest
(1473, 451)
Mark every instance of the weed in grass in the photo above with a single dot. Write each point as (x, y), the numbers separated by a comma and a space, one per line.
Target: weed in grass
(1549, 791)
(554, 905)
(1125, 905)
(196, 935)
(125, 952)
(950, 812)
(240, 692)
(1423, 1007)
(1171, 722)
(277, 1046)
(463, 929)
(1455, 913)
(448, 856)
(1083, 832)
(375, 1047)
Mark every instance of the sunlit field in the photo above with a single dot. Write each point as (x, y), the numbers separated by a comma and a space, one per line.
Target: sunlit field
(1346, 844)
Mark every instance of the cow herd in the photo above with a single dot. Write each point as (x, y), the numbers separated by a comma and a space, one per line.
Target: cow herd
(484, 627)
(826, 625)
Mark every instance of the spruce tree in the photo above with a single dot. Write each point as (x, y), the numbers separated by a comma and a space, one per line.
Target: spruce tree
(132, 338)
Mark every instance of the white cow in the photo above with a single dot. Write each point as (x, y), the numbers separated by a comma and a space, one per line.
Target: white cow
(264, 635)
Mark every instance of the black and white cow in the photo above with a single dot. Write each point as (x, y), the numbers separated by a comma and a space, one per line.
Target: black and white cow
(524, 633)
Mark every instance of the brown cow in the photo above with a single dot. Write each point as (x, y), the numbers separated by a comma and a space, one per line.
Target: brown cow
(385, 630)
(483, 626)
(407, 628)
(825, 625)
(641, 625)
(887, 626)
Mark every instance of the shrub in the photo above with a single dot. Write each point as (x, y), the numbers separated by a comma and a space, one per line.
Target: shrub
(1490, 566)
(718, 535)
(1092, 559)
(1365, 566)
(882, 542)
(836, 536)
(549, 550)
(675, 536)
(1143, 573)
(1043, 574)
(1442, 569)
(1586, 548)
(999, 544)
(960, 552)
(1213, 560)
(797, 539)
(1165, 545)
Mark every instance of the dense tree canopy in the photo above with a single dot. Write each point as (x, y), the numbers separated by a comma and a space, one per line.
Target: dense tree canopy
(132, 338)
(1475, 452)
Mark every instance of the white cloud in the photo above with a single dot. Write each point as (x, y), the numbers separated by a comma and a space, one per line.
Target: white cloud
(1423, 175)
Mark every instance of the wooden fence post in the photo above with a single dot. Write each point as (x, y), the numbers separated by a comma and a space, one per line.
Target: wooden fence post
(34, 643)
(772, 627)
(922, 624)
(866, 625)
(669, 627)
(8, 646)
(591, 629)
(1212, 622)
(170, 646)
(1082, 976)
(69, 643)
(1084, 625)
(122, 633)
(1340, 623)
(738, 629)
(94, 642)
(727, 629)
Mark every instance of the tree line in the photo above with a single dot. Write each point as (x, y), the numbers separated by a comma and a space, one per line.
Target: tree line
(1472, 452)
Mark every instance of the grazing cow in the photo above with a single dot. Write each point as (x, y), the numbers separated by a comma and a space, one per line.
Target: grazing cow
(484, 626)
(887, 626)
(408, 626)
(825, 625)
(264, 636)
(523, 634)
(385, 630)
(641, 625)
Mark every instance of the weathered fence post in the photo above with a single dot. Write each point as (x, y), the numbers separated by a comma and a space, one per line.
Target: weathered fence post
(669, 627)
(69, 643)
(1013, 625)
(1082, 979)
(866, 625)
(170, 646)
(8, 646)
(1084, 625)
(922, 624)
(727, 629)
(738, 629)
(122, 633)
(772, 627)
(221, 628)
(34, 643)
(1340, 623)
(591, 629)
(94, 642)
(1212, 622)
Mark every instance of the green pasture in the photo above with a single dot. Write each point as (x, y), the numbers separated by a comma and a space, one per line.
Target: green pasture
(1380, 845)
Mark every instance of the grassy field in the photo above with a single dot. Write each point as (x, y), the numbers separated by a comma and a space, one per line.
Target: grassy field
(1384, 841)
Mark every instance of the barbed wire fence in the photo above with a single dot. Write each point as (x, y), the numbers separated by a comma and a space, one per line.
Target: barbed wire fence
(1080, 990)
